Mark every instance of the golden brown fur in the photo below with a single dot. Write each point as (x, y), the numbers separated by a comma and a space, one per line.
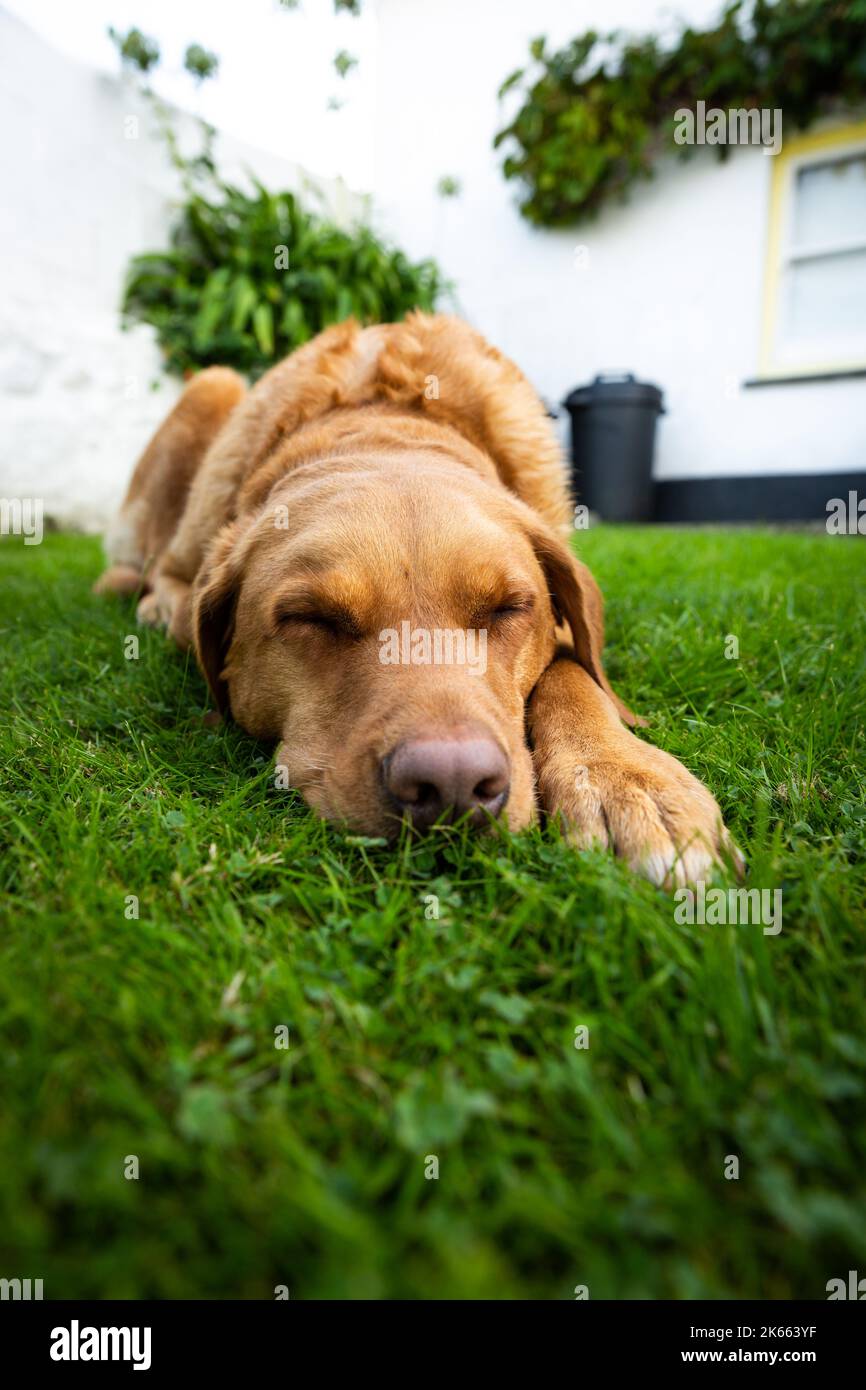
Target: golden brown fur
(405, 473)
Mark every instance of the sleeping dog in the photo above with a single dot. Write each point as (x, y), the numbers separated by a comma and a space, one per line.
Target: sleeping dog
(401, 480)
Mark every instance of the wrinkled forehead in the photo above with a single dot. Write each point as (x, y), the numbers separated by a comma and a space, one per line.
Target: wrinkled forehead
(390, 533)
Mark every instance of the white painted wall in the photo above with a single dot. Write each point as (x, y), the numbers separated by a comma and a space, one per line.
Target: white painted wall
(673, 286)
(76, 397)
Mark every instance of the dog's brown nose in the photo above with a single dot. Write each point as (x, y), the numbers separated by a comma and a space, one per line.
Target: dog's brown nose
(466, 771)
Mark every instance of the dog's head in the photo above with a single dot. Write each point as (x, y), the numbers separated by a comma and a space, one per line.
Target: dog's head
(387, 624)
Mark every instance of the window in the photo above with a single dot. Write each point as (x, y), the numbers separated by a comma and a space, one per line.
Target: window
(815, 292)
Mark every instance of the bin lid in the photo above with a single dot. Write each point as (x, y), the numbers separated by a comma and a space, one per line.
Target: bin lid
(615, 388)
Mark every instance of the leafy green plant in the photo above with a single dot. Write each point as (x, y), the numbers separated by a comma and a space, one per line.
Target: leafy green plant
(596, 114)
(449, 187)
(137, 50)
(250, 276)
(139, 54)
(200, 62)
(344, 62)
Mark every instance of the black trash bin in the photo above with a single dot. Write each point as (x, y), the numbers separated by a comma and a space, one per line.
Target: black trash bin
(613, 426)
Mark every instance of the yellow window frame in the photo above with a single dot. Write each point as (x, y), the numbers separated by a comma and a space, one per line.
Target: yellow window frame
(793, 155)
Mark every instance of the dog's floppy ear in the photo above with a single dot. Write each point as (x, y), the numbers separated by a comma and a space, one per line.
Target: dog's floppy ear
(213, 603)
(577, 599)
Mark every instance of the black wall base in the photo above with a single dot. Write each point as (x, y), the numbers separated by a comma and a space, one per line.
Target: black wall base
(771, 497)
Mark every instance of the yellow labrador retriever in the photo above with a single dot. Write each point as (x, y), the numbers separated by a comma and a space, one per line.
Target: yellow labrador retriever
(368, 553)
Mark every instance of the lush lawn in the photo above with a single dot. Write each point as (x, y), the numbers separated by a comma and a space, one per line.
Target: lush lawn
(412, 1037)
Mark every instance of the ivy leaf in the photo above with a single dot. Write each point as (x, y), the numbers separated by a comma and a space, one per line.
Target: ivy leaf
(344, 62)
(511, 81)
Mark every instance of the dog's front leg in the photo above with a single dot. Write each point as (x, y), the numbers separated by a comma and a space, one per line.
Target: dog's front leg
(169, 605)
(612, 789)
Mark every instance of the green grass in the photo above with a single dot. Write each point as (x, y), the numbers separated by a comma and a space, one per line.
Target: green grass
(412, 1037)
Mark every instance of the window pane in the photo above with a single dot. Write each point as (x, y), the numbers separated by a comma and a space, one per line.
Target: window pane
(830, 202)
(826, 297)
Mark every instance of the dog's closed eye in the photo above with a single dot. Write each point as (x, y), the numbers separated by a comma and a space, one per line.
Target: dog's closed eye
(500, 612)
(332, 622)
(508, 610)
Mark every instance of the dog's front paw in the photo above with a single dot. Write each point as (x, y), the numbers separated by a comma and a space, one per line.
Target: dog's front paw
(168, 606)
(647, 807)
(147, 613)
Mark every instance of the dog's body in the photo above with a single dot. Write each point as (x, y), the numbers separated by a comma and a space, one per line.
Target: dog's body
(378, 481)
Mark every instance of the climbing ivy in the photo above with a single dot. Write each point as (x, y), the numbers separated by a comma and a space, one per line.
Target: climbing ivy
(595, 115)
